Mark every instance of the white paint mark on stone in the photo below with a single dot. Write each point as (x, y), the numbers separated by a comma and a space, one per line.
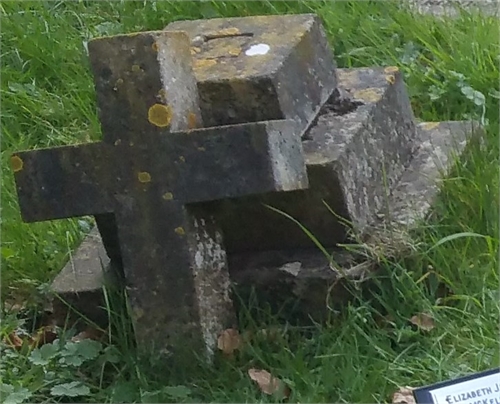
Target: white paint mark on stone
(292, 268)
(259, 49)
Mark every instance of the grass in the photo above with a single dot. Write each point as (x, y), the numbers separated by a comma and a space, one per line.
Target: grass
(48, 99)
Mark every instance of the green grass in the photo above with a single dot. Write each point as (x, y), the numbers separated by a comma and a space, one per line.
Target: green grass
(48, 99)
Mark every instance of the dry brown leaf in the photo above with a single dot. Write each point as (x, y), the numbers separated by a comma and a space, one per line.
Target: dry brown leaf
(268, 384)
(404, 396)
(423, 321)
(89, 333)
(229, 341)
(14, 340)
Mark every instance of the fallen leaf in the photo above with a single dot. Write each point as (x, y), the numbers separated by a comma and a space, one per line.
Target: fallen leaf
(267, 383)
(13, 340)
(423, 321)
(403, 396)
(229, 341)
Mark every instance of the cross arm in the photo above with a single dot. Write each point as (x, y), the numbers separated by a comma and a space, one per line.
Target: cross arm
(238, 160)
(63, 182)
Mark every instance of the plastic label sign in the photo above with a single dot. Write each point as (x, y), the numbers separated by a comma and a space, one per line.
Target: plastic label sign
(479, 388)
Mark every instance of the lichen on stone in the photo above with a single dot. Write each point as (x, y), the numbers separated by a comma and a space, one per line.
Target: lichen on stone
(144, 177)
(16, 163)
(180, 231)
(160, 115)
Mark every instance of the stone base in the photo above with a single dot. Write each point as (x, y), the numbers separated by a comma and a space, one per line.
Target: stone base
(79, 286)
(303, 278)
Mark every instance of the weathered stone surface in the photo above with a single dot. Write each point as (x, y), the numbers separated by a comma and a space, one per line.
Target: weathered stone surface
(439, 144)
(144, 81)
(355, 153)
(79, 284)
(305, 281)
(260, 68)
(148, 187)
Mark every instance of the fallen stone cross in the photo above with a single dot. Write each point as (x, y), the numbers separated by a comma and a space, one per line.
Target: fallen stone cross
(171, 201)
(151, 179)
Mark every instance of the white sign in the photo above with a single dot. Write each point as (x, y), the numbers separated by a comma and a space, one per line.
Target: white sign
(481, 388)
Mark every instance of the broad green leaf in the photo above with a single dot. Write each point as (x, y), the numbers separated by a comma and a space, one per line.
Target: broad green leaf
(19, 395)
(73, 389)
(42, 356)
(177, 392)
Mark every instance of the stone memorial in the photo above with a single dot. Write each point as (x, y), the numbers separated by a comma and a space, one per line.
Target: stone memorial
(149, 173)
(205, 126)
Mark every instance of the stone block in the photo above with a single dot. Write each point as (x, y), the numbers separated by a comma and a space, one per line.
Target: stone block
(260, 68)
(79, 284)
(355, 151)
(144, 81)
(304, 283)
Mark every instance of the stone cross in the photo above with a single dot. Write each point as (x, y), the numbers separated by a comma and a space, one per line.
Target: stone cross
(151, 174)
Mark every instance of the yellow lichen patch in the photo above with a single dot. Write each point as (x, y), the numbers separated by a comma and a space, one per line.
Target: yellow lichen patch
(144, 177)
(201, 149)
(350, 78)
(136, 68)
(234, 51)
(160, 115)
(203, 63)
(154, 46)
(195, 50)
(130, 144)
(429, 125)
(192, 121)
(390, 78)
(180, 231)
(226, 32)
(391, 69)
(368, 95)
(16, 163)
(118, 142)
(182, 158)
(168, 196)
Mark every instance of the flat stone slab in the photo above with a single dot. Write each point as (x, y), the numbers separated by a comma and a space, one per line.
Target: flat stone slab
(305, 277)
(355, 151)
(260, 68)
(79, 284)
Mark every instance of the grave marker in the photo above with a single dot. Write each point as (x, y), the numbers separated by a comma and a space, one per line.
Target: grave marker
(151, 181)
(365, 156)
